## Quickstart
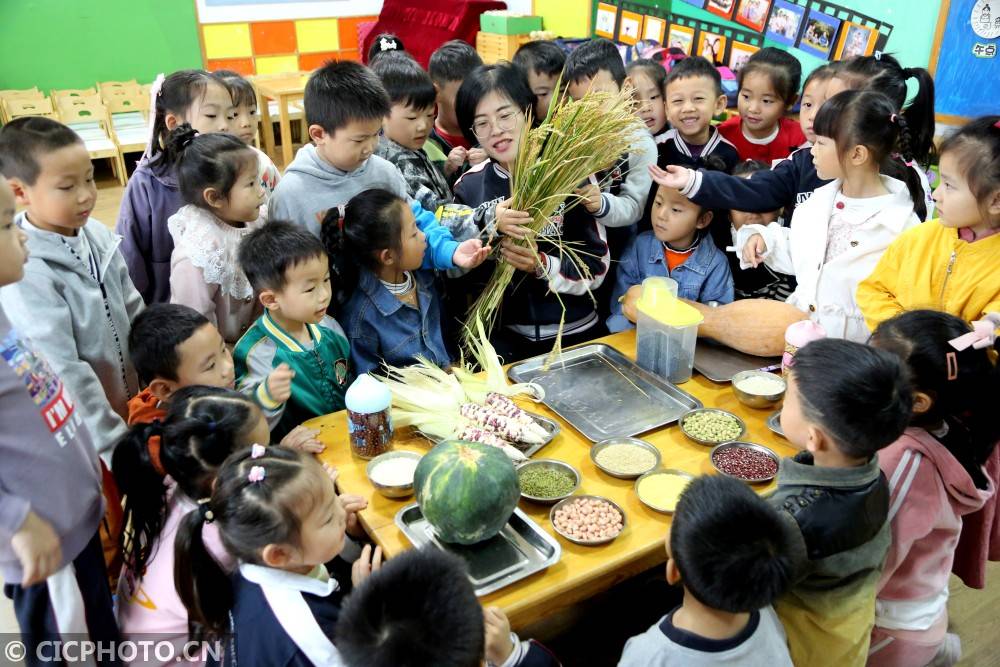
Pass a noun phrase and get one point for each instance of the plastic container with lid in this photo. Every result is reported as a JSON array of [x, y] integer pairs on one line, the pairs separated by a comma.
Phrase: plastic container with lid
[[666, 331], [369, 416]]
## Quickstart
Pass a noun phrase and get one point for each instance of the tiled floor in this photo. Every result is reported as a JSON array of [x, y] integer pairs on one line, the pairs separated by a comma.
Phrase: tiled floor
[[578, 635]]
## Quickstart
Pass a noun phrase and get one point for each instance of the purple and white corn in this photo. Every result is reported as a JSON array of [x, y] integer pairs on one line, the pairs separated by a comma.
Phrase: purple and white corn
[[506, 427]]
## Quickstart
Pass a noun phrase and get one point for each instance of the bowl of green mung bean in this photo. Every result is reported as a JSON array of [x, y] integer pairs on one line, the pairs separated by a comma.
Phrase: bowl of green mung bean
[[547, 481], [625, 458], [711, 426]]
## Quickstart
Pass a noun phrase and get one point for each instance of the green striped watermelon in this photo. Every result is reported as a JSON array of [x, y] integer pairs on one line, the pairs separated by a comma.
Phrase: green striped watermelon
[[466, 490]]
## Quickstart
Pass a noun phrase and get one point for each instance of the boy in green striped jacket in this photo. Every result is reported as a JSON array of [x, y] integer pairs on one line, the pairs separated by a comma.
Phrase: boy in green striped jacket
[[294, 358]]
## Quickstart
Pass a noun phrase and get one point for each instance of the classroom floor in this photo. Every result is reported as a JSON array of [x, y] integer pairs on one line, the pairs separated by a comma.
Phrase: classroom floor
[[592, 633]]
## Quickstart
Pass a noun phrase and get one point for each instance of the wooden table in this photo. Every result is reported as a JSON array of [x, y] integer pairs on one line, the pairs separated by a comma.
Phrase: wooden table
[[283, 90], [582, 571]]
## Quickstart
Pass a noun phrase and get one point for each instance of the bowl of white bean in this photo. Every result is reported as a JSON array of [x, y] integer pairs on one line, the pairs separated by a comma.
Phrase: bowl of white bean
[[587, 520], [392, 473], [758, 389], [624, 458]]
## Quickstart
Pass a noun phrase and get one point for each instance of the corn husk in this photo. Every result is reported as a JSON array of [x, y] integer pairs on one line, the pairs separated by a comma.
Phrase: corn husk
[[579, 138]]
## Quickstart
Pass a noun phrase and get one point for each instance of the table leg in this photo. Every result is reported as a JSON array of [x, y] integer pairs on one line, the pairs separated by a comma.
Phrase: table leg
[[267, 130], [286, 131]]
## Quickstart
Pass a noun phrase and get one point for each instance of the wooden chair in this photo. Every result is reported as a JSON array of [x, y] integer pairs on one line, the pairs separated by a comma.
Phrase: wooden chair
[[18, 94], [18, 107], [116, 87], [74, 92], [90, 122], [129, 122]]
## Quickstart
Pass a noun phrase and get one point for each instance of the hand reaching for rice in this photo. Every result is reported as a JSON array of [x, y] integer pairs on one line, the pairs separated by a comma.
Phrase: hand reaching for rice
[[591, 195], [470, 254], [511, 222], [673, 177]]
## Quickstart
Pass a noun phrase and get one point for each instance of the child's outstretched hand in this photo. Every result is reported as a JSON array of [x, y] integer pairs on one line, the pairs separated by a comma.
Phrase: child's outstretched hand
[[279, 383], [470, 254], [673, 177], [498, 643], [591, 195], [352, 505], [456, 158], [303, 439], [754, 250], [476, 155], [366, 563], [511, 222], [37, 547]]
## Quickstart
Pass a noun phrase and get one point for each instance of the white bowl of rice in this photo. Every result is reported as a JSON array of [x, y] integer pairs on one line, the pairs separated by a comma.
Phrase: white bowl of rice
[[758, 389], [392, 473]]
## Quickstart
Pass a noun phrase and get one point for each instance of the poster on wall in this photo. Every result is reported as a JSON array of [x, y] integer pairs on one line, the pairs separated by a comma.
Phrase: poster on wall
[[783, 26], [739, 53], [681, 37], [819, 34], [654, 28], [753, 14], [723, 8], [712, 47], [697, 3], [629, 27], [855, 40], [604, 24]]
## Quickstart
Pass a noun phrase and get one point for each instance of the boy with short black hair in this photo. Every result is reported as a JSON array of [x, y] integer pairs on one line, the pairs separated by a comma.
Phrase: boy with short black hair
[[732, 554], [447, 145], [543, 62], [844, 402], [694, 97], [50, 486], [294, 358], [621, 199], [408, 126], [345, 105], [77, 301], [420, 609]]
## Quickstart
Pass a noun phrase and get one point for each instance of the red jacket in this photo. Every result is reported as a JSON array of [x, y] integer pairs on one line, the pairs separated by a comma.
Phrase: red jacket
[[789, 138]]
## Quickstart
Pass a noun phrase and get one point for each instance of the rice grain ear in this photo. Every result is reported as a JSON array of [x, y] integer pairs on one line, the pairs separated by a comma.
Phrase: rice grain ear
[[577, 139]]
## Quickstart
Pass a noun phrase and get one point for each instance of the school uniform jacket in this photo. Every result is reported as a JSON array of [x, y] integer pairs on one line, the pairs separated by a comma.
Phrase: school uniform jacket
[[529, 308], [281, 619], [321, 370], [826, 290], [672, 149], [932, 267], [789, 183]]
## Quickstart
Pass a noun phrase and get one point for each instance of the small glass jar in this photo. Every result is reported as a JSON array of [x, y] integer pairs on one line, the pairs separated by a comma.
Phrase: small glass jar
[[369, 417]]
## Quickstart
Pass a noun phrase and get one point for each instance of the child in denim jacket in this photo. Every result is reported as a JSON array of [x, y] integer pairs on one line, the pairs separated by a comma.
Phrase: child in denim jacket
[[394, 313], [678, 247]]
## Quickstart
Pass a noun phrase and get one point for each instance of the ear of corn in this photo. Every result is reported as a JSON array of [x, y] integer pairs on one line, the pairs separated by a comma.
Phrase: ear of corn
[[577, 139]]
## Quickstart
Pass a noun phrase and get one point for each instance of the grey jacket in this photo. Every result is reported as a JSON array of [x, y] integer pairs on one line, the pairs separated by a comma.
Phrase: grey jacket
[[624, 199], [80, 324]]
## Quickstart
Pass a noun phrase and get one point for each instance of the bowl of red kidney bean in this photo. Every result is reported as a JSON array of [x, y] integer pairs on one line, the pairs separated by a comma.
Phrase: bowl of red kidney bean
[[746, 461]]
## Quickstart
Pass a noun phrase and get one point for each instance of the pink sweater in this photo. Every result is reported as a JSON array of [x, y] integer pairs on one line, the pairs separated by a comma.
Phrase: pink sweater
[[150, 607], [930, 491]]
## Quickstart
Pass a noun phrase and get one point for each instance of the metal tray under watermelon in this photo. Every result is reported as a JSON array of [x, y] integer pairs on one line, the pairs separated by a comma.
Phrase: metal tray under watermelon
[[521, 549]]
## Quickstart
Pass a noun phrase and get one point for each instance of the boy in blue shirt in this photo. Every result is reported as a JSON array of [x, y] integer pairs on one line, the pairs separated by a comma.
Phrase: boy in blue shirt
[[678, 247], [345, 104]]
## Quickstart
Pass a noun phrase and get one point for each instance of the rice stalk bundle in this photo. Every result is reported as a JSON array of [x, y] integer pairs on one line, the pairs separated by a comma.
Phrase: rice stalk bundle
[[578, 139]]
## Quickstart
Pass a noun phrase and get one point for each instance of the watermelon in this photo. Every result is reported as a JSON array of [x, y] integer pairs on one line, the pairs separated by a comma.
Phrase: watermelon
[[466, 490]]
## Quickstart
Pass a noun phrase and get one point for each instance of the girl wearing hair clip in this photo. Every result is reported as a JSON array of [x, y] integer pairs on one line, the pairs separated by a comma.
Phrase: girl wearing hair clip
[[218, 179], [203, 426], [278, 513], [942, 474]]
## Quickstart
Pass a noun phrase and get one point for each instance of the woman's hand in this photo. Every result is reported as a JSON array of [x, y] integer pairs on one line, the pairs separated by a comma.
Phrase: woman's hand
[[511, 222], [522, 258]]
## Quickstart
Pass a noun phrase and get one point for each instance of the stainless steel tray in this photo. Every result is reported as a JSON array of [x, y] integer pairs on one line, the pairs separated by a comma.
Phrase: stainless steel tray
[[521, 549], [604, 394], [720, 363], [551, 426], [774, 423]]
